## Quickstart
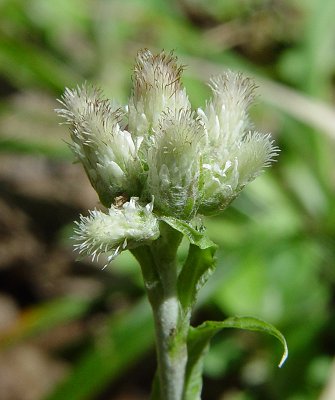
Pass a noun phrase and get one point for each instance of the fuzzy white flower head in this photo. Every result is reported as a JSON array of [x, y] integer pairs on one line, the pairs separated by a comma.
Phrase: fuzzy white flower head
[[226, 114], [122, 228], [174, 164], [156, 147], [107, 152], [157, 89], [234, 154]]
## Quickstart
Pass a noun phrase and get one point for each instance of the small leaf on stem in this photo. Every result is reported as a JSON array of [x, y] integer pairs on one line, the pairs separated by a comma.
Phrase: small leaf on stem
[[198, 343]]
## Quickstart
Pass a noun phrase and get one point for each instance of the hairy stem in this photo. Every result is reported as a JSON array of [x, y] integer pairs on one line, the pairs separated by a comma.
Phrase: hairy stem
[[159, 268]]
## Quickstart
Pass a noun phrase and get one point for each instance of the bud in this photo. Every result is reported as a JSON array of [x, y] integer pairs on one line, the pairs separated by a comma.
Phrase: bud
[[174, 165], [107, 152], [235, 155], [122, 228], [156, 89]]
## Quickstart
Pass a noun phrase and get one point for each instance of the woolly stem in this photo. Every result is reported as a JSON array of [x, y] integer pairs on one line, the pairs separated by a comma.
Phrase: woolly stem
[[159, 268]]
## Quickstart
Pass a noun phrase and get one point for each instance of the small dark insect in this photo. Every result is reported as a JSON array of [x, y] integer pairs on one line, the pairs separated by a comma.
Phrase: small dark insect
[[172, 332], [119, 201]]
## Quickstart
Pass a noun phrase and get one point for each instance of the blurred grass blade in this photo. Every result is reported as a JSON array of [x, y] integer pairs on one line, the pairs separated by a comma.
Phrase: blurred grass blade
[[310, 111], [36, 147], [37, 66], [125, 340], [45, 317]]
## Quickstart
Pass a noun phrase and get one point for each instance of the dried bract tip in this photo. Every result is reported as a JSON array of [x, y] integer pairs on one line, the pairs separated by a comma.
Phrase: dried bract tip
[[156, 72], [233, 88], [156, 89]]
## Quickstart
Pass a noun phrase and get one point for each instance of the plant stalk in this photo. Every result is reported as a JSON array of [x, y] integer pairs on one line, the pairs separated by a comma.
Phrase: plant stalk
[[160, 273]]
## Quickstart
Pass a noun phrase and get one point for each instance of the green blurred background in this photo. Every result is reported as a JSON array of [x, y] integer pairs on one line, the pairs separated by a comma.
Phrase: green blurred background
[[70, 331]]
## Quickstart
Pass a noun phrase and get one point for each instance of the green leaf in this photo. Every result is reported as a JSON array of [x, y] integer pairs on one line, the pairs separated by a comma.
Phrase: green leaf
[[199, 264], [195, 237], [198, 267], [198, 343], [155, 390]]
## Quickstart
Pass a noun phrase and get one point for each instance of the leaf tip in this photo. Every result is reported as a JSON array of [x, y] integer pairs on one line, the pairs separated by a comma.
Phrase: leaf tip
[[284, 356]]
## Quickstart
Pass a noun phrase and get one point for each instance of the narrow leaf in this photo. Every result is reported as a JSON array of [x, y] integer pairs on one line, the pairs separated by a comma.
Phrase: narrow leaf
[[199, 265], [155, 389], [248, 323], [198, 343], [195, 237]]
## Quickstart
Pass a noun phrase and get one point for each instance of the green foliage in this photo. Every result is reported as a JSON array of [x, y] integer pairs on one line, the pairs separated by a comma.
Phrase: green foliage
[[276, 257], [198, 265], [198, 346], [126, 338], [46, 316]]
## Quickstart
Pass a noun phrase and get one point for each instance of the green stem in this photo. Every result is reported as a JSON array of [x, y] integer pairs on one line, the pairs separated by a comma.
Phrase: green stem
[[160, 273]]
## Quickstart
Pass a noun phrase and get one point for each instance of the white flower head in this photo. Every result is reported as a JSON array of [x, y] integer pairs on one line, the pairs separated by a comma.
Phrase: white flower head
[[174, 164], [235, 154], [226, 114], [107, 152], [125, 227], [156, 89], [156, 146]]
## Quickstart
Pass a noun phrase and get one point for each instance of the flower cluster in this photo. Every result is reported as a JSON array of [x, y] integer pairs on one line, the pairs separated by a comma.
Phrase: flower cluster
[[156, 147]]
